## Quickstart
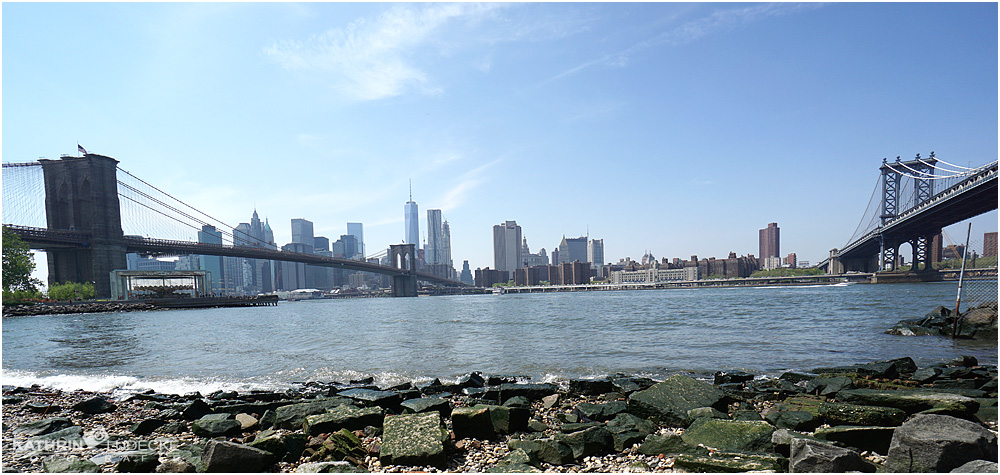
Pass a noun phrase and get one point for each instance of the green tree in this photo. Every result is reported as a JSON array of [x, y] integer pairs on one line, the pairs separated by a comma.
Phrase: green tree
[[71, 291], [18, 264]]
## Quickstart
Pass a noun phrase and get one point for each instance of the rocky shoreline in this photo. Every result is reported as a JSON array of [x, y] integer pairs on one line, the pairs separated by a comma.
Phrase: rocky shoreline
[[977, 323], [886, 416]]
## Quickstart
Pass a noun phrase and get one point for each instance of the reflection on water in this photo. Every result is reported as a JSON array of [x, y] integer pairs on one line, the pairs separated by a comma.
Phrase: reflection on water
[[761, 330]]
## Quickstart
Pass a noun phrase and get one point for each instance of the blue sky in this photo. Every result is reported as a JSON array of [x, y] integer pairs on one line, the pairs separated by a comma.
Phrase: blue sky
[[675, 128]]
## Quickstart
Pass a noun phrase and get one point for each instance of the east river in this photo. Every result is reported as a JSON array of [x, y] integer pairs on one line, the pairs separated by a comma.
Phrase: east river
[[655, 333]]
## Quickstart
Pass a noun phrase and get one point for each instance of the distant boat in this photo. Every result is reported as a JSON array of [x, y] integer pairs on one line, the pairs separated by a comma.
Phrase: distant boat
[[498, 291]]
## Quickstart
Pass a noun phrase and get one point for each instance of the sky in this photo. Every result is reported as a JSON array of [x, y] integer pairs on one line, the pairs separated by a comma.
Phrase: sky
[[674, 128]]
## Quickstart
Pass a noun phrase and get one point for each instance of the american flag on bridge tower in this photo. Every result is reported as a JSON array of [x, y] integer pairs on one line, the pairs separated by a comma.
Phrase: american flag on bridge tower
[[80, 148]]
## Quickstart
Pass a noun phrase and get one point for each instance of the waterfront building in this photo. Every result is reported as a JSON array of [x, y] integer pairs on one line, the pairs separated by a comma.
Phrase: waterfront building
[[772, 263], [572, 249], [791, 260], [653, 275], [212, 264], [595, 253], [446, 249], [770, 242], [506, 246], [411, 222], [990, 244], [555, 256], [357, 230], [488, 277]]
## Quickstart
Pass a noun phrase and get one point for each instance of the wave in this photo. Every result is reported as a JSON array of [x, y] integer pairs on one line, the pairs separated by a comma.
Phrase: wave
[[128, 384]]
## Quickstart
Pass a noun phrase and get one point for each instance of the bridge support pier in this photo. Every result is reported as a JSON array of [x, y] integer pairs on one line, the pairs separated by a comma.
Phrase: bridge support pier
[[81, 194], [404, 257]]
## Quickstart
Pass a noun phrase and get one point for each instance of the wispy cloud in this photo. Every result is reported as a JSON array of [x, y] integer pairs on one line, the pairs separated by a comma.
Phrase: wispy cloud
[[716, 21], [374, 59], [466, 183]]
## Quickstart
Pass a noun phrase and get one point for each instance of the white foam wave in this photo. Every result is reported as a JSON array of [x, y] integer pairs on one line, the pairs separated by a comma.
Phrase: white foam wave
[[126, 384]]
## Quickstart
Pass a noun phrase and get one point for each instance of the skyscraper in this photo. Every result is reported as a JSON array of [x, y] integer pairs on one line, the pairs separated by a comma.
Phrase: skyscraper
[[507, 246], [446, 248], [357, 230], [573, 249], [302, 231], [435, 242], [770, 241], [595, 253], [213, 264], [411, 222]]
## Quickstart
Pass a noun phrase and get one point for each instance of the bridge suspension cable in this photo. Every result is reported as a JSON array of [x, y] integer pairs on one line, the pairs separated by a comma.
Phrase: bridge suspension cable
[[871, 221]]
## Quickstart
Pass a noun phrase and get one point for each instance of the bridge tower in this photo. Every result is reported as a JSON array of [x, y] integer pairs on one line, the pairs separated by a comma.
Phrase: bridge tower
[[81, 194], [923, 190], [404, 256]]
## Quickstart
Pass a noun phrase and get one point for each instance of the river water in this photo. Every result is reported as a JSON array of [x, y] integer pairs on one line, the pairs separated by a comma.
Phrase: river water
[[764, 330]]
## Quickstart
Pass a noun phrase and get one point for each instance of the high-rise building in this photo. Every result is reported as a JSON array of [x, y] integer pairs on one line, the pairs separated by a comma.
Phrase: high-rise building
[[528, 259], [595, 253], [321, 243], [990, 244], [434, 253], [411, 222], [212, 264], [302, 231], [466, 273], [357, 230], [507, 247], [446, 249], [573, 250], [770, 242]]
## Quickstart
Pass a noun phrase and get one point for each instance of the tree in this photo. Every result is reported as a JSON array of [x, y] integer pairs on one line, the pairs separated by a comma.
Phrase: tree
[[18, 264], [71, 291]]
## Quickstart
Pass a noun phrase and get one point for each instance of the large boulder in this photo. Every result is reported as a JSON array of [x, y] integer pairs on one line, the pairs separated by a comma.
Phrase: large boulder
[[222, 456], [286, 447], [730, 462], [532, 391], [629, 430], [215, 427], [343, 417], [292, 416], [472, 422], [936, 443], [977, 466], [911, 401], [328, 467], [601, 412], [427, 404], [43, 426], [59, 464], [871, 438], [669, 444], [730, 436], [548, 450], [668, 402], [810, 456], [372, 397], [414, 439], [857, 415], [587, 442]]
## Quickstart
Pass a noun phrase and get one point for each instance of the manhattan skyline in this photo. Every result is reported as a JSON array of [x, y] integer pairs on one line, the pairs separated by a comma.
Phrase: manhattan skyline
[[677, 128]]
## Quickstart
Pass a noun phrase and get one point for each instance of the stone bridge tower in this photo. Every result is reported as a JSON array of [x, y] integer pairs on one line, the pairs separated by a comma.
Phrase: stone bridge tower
[[404, 256], [81, 194]]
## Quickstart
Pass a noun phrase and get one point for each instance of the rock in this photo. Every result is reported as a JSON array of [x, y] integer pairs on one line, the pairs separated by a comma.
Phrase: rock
[[532, 391], [246, 421], [547, 450], [856, 415], [722, 377], [516, 461], [72, 434], [138, 461], [146, 426], [873, 439], [669, 444], [794, 420], [587, 442], [293, 415], [95, 405], [711, 412], [829, 386], [414, 439], [810, 456], [427, 404], [550, 401], [926, 375], [590, 387], [43, 426], [175, 465], [43, 408], [285, 447], [267, 419], [215, 427], [601, 412], [472, 380], [782, 440], [936, 443], [730, 436], [632, 384], [508, 420], [727, 462], [195, 410], [341, 445], [328, 467], [669, 401], [371, 397], [891, 369], [58, 464], [746, 415], [629, 430], [343, 417], [222, 456], [518, 401], [911, 401], [977, 466], [472, 422], [191, 453]]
